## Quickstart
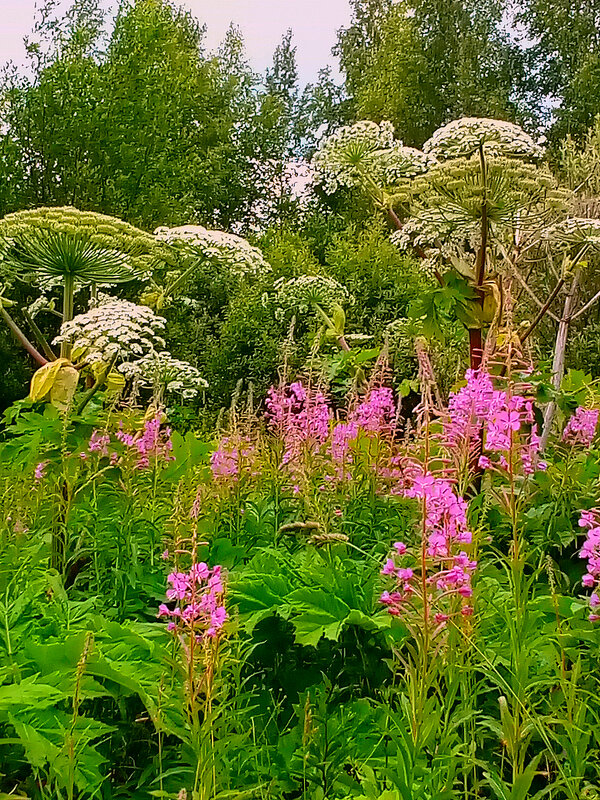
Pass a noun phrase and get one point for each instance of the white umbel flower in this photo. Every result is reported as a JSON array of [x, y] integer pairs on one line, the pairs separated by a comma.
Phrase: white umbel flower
[[160, 370], [574, 232], [114, 328], [463, 137], [226, 249], [365, 148], [299, 294]]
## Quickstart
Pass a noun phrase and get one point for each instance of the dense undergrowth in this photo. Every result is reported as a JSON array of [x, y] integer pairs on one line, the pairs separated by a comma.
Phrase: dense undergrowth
[[318, 603]]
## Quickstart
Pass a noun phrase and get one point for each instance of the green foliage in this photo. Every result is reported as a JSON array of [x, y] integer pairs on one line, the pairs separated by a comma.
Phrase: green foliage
[[420, 65]]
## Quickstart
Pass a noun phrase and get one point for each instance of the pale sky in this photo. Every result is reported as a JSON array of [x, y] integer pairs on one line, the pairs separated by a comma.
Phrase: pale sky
[[262, 22]]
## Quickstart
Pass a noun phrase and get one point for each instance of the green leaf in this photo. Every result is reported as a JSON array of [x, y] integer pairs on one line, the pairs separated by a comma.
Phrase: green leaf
[[316, 614]]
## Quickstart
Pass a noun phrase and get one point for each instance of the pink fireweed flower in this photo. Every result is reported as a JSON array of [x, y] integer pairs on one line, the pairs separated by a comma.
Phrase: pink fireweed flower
[[233, 457], [445, 513], [99, 443], [499, 420], [446, 529], [468, 407], [125, 438], [377, 413], [300, 416], [389, 568], [199, 595], [581, 427], [40, 471], [340, 448], [153, 443], [225, 461], [590, 552]]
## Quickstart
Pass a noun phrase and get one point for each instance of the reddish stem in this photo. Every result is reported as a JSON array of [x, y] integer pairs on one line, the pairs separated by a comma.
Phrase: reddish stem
[[475, 348]]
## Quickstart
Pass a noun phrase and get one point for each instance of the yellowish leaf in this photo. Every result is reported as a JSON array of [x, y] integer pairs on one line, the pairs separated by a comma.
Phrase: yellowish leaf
[[64, 386], [43, 379]]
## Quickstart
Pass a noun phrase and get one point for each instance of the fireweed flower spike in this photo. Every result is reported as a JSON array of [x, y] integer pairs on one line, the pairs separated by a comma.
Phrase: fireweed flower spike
[[301, 416], [581, 427], [233, 456], [446, 530], [501, 421], [40, 471], [590, 551], [200, 604], [153, 443]]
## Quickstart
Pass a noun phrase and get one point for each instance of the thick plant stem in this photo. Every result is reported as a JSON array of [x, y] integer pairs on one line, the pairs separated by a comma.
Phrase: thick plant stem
[[21, 338], [475, 334], [39, 336], [475, 348], [68, 308], [560, 348]]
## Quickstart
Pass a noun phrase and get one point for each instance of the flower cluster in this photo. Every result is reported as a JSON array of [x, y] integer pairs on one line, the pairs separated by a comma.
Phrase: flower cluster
[[40, 471], [114, 328], [446, 531], [377, 412], [581, 427], [231, 457], [505, 423], [366, 148], [300, 294], [401, 162], [200, 601], [160, 369], [445, 514], [152, 445], [99, 443], [463, 137], [226, 249], [301, 416], [591, 553], [438, 238], [342, 157], [574, 232]]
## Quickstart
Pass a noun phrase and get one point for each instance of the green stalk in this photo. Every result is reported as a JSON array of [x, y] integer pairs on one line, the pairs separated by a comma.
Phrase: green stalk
[[68, 309]]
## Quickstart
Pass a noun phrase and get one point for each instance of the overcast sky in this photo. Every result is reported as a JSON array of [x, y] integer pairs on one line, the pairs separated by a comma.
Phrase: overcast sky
[[262, 22]]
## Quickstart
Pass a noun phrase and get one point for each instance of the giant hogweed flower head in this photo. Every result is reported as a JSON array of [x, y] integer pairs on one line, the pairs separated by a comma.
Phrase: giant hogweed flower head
[[302, 293], [463, 137], [200, 602], [573, 232], [344, 158], [440, 239], [114, 328], [225, 249], [161, 369]]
